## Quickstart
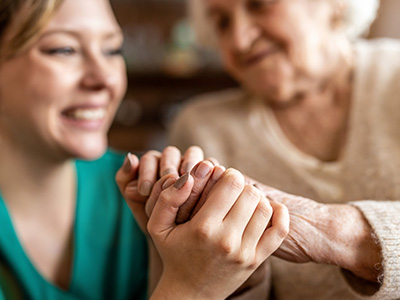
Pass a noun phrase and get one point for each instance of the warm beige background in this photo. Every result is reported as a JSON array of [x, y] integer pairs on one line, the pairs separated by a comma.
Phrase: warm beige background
[[387, 23]]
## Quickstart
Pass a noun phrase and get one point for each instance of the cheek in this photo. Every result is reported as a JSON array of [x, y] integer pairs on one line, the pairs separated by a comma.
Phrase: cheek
[[121, 82]]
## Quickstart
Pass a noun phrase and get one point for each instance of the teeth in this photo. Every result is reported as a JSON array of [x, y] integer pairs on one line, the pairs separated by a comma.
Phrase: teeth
[[93, 114]]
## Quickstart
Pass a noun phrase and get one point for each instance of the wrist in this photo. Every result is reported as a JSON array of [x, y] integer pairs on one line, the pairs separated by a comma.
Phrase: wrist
[[352, 245], [177, 290]]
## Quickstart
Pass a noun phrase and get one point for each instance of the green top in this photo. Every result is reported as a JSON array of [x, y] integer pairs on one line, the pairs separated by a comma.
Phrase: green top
[[110, 254]]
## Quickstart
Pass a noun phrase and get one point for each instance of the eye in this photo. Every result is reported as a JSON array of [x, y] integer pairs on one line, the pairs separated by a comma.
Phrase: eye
[[114, 52], [61, 51], [222, 23], [258, 5]]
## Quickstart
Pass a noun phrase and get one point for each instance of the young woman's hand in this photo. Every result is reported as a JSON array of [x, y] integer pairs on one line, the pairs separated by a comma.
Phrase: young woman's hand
[[136, 178], [213, 253]]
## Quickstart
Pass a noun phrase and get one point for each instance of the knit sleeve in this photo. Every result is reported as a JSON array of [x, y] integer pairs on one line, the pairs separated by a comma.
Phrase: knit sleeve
[[384, 218], [182, 131]]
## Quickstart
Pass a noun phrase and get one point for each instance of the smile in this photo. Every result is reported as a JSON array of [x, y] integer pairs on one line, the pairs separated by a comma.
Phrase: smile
[[86, 114], [257, 57]]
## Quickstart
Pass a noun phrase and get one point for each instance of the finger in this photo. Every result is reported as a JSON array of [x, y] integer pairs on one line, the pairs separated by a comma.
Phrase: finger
[[242, 211], [135, 202], [274, 236], [222, 197], [162, 184], [262, 187], [191, 157], [213, 160], [148, 170], [170, 161], [200, 173], [127, 172], [162, 219], [258, 223], [216, 175]]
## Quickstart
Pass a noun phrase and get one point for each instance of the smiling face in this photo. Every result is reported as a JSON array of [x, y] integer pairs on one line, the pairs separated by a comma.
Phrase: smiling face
[[277, 48], [59, 97]]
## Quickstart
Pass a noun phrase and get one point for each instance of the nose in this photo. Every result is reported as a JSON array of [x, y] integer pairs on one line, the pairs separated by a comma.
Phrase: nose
[[244, 32], [99, 73]]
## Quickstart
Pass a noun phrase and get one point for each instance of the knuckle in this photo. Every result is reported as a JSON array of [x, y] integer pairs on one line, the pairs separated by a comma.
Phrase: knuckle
[[227, 245], [265, 209], [195, 148], [253, 193], [246, 258], [151, 153], [213, 160], [172, 149], [253, 263], [282, 231], [204, 231], [165, 200], [236, 179]]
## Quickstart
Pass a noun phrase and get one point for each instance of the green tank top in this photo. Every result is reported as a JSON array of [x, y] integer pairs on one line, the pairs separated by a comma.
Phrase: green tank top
[[110, 251]]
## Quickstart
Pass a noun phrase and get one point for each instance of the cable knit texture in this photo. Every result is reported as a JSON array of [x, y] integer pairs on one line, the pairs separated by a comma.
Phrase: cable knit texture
[[230, 127]]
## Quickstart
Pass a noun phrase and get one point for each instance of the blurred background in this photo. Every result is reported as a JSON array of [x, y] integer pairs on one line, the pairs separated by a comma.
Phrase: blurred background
[[165, 68]]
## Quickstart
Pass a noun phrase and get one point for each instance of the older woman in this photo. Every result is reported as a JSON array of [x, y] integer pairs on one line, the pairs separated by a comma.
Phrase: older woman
[[317, 116]]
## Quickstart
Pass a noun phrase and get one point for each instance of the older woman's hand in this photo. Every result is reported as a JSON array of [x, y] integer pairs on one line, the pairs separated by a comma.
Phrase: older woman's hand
[[327, 233]]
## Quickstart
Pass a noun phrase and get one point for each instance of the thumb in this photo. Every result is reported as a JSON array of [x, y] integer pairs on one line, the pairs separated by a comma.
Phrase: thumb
[[162, 219], [127, 173]]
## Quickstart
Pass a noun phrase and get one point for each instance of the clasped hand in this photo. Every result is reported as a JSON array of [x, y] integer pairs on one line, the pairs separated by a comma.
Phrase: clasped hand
[[211, 229]]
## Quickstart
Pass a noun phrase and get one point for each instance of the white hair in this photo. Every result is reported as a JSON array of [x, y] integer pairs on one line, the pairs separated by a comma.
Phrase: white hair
[[358, 18]]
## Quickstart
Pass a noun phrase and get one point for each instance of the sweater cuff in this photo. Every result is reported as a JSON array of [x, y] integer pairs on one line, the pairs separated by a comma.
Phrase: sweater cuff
[[384, 218]]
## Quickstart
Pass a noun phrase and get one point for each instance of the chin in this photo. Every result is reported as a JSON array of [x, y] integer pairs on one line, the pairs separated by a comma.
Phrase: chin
[[88, 150]]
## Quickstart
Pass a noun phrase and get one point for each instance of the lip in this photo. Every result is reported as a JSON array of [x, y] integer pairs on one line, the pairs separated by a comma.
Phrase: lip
[[255, 58], [86, 117]]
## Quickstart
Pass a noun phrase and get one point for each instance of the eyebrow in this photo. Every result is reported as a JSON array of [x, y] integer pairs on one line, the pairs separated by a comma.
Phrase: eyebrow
[[213, 11], [110, 34]]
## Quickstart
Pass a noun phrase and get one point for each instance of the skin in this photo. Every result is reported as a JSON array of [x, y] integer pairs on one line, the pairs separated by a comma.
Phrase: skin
[[288, 53], [74, 64], [58, 99], [233, 218], [162, 170], [293, 54]]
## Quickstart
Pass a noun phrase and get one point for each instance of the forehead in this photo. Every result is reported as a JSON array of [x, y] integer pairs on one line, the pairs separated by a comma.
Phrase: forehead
[[93, 15]]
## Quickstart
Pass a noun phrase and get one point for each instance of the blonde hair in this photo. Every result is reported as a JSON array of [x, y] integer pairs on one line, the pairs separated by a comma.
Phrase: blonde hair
[[20, 23], [358, 16]]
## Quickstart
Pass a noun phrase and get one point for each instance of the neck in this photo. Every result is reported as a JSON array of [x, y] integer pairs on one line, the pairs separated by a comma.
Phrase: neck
[[327, 93], [316, 122], [29, 181]]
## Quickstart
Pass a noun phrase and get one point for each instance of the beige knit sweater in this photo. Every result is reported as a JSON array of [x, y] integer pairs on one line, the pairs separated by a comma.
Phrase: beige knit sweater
[[229, 127]]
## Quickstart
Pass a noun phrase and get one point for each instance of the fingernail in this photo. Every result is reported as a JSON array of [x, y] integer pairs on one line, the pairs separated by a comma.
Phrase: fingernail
[[202, 170], [218, 171], [145, 188], [186, 168], [181, 181], [127, 163], [168, 171], [170, 181]]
